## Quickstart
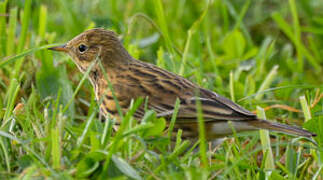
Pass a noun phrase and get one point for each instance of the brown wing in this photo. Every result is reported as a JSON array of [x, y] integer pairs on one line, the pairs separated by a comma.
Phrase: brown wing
[[214, 108], [162, 88]]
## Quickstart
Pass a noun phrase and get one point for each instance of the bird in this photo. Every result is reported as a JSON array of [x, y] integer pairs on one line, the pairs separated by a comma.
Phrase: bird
[[131, 79]]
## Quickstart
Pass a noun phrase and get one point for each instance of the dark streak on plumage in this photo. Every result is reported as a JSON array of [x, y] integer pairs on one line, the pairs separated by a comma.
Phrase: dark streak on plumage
[[162, 88], [133, 79], [182, 101], [124, 102], [181, 83], [143, 74], [171, 84], [166, 106], [109, 97], [121, 76], [106, 108], [208, 102], [113, 112], [206, 93], [94, 75], [144, 90], [220, 116], [161, 73]]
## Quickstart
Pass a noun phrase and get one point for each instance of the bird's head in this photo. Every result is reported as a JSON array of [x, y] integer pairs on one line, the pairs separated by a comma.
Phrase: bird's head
[[95, 44]]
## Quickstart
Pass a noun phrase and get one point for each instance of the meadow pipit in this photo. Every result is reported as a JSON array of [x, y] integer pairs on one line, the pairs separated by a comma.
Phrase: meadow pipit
[[132, 79]]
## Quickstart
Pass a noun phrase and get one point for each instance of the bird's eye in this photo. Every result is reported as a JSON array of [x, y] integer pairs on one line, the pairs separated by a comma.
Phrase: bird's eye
[[82, 48]]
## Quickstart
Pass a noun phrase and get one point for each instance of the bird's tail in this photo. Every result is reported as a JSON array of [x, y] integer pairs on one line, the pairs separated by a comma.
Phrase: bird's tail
[[292, 130]]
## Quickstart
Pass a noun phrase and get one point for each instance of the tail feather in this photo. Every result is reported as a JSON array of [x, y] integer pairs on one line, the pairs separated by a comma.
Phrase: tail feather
[[292, 130]]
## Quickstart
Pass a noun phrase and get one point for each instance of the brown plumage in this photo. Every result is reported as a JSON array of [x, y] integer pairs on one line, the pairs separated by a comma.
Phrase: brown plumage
[[131, 79]]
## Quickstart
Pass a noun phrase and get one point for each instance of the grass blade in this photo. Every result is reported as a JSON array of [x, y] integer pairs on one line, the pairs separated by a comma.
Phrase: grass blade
[[161, 19], [266, 83], [11, 32], [3, 7], [202, 138], [265, 143], [16, 57], [305, 108]]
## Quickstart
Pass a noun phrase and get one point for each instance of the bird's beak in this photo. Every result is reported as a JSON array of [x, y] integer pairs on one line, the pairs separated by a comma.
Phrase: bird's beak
[[59, 48]]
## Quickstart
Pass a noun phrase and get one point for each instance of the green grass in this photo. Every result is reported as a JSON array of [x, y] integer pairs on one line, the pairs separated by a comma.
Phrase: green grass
[[259, 53]]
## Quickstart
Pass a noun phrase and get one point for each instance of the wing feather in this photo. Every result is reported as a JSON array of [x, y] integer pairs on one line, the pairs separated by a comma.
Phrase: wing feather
[[164, 87], [212, 111]]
